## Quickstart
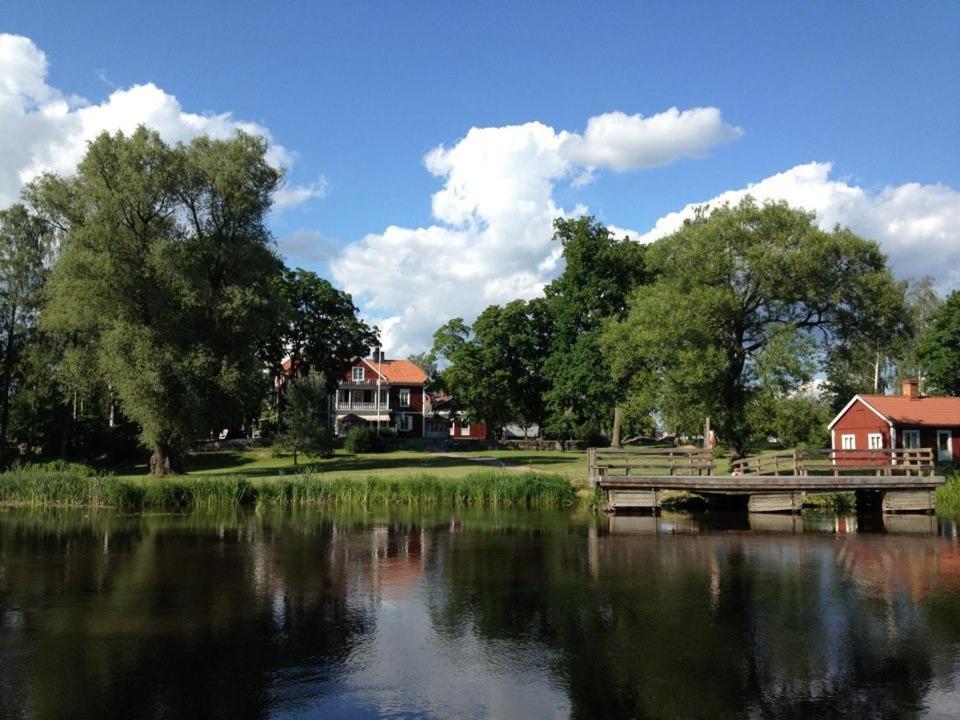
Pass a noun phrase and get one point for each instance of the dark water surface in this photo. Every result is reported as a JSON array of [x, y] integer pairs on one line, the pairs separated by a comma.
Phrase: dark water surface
[[476, 614]]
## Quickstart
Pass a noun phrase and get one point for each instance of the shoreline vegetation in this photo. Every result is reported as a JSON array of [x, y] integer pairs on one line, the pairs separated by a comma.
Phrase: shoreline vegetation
[[543, 481], [76, 485]]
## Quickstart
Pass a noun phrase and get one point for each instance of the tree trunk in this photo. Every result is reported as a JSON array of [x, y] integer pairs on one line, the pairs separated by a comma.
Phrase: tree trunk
[[617, 421], [164, 461]]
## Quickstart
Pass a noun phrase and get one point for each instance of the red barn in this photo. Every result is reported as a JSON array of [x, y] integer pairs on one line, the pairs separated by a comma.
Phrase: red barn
[[910, 420]]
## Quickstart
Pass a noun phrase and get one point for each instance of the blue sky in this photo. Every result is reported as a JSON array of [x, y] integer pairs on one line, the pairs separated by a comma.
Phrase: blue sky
[[360, 93]]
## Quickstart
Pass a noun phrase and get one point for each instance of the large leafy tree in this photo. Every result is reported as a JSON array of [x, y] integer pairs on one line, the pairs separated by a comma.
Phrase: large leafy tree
[[25, 244], [939, 349], [494, 367], [165, 284], [320, 329], [746, 301], [600, 271]]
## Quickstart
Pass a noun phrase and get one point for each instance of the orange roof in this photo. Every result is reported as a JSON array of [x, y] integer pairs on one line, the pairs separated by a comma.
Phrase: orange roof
[[398, 371], [940, 411]]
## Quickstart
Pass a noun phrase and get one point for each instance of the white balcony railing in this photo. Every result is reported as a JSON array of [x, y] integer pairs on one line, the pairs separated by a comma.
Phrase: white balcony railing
[[364, 406]]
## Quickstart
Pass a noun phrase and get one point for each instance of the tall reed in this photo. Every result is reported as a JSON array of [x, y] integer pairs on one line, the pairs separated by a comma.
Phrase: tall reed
[[76, 485]]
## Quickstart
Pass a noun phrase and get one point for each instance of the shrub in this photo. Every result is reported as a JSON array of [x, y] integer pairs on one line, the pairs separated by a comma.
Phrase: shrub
[[363, 438]]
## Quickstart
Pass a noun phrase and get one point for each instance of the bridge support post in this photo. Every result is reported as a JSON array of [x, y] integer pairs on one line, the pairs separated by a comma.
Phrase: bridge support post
[[924, 501], [791, 502], [634, 499]]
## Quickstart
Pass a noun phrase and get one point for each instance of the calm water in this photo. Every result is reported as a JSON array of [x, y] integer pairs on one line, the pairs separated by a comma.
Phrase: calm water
[[451, 614]]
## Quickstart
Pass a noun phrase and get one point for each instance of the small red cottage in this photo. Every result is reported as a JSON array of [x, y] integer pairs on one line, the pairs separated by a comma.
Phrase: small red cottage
[[910, 420]]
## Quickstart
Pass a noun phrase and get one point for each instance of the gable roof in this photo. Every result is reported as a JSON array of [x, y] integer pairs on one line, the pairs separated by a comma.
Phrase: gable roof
[[900, 410], [397, 371], [917, 411]]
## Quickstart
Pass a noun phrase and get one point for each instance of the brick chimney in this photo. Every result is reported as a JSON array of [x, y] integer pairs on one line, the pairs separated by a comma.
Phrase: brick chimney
[[911, 388]]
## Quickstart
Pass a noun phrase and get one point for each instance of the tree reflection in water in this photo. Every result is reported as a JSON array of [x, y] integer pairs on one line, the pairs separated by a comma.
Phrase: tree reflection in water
[[474, 614]]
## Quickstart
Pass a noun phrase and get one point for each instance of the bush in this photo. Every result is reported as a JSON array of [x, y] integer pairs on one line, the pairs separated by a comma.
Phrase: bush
[[361, 439]]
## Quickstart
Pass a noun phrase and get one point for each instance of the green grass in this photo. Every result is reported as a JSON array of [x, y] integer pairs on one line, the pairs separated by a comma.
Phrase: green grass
[[262, 463], [948, 496], [53, 485]]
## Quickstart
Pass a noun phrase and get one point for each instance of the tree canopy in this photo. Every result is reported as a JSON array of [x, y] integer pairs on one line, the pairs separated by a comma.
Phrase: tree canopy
[[747, 299], [939, 349], [165, 279], [600, 271]]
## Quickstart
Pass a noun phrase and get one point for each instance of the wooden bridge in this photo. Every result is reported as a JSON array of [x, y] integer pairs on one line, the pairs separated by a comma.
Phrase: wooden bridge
[[889, 480]]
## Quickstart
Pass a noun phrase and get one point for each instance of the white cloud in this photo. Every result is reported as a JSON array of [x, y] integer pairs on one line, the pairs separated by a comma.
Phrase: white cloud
[[918, 226], [632, 142], [44, 129], [495, 212], [289, 195]]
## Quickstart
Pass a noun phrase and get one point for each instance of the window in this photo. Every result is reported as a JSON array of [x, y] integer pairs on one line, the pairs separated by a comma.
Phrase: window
[[944, 445], [875, 441], [404, 397], [358, 373], [848, 442], [911, 438], [405, 423], [465, 430]]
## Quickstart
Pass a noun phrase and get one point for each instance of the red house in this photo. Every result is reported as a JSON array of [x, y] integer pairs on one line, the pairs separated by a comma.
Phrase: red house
[[380, 391], [910, 420]]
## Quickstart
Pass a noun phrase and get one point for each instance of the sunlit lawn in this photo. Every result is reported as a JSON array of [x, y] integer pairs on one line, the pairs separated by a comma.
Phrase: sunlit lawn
[[262, 463]]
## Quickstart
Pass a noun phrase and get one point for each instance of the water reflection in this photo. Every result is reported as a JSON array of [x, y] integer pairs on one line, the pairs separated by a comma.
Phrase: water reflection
[[477, 615]]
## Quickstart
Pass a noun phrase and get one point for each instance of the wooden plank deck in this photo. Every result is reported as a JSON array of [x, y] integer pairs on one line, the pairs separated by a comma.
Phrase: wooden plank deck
[[902, 480], [770, 483]]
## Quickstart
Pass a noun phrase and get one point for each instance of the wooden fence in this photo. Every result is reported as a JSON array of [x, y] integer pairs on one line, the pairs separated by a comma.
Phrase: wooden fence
[[885, 461], [615, 462]]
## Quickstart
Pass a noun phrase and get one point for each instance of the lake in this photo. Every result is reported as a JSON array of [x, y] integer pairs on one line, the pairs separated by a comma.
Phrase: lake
[[472, 614]]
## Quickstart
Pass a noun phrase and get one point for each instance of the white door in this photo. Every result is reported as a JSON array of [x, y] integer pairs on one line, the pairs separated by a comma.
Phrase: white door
[[944, 445]]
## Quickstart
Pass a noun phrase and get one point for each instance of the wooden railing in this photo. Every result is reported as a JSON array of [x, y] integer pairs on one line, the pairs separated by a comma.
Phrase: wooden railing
[[882, 461], [613, 462]]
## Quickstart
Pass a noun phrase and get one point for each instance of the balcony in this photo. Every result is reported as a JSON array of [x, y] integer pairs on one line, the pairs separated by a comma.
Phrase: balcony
[[356, 406]]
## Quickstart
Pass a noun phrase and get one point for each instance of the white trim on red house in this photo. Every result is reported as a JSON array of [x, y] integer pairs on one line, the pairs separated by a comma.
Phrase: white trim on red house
[[850, 404], [370, 365]]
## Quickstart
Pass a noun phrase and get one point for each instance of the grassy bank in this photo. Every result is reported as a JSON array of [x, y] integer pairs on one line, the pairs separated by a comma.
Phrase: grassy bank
[[75, 485], [948, 496]]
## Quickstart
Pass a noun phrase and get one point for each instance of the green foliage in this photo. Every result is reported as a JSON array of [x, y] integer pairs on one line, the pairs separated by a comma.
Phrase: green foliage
[[746, 299], [319, 329], [948, 495], [361, 439], [939, 349], [600, 272], [796, 421], [494, 370], [25, 245], [77, 486], [164, 289], [305, 417]]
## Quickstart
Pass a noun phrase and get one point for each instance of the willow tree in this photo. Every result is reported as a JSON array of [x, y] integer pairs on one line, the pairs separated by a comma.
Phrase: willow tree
[[746, 303], [166, 279]]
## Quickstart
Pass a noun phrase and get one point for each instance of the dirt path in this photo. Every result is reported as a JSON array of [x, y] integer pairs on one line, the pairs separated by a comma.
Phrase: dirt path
[[494, 462]]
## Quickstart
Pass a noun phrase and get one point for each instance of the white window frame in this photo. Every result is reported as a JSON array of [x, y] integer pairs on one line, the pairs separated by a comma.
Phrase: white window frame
[[875, 441], [404, 422], [848, 442], [911, 439], [358, 374], [404, 397], [949, 434], [465, 430]]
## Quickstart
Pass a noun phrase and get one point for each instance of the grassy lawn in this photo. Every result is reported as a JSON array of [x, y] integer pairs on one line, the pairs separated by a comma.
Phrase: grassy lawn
[[261, 463]]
